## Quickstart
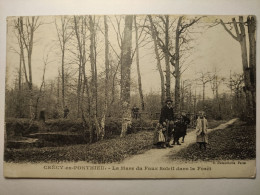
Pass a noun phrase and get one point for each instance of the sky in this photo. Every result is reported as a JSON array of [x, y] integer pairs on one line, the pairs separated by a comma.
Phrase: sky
[[213, 49]]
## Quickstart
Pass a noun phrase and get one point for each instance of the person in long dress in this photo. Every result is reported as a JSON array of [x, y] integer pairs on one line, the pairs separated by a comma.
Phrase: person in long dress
[[201, 131]]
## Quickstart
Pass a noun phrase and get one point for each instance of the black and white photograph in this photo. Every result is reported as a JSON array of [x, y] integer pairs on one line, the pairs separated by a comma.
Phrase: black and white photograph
[[130, 96]]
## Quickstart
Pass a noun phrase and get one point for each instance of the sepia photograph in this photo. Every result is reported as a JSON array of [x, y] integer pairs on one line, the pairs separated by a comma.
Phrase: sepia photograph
[[130, 96]]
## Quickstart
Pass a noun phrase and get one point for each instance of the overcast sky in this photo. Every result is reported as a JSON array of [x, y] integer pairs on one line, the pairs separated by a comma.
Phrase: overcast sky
[[213, 49]]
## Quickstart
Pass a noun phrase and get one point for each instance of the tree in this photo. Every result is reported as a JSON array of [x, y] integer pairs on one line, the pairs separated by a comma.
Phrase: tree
[[80, 28], [138, 66], [248, 67], [125, 74], [215, 83], [104, 114], [26, 30], [64, 35], [159, 66], [205, 77], [175, 60]]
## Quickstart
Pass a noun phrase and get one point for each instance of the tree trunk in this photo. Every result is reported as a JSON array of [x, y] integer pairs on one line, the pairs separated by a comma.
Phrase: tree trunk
[[241, 38], [159, 66], [125, 74], [93, 114], [251, 22], [246, 68], [104, 114], [203, 97], [138, 67], [177, 66], [167, 59]]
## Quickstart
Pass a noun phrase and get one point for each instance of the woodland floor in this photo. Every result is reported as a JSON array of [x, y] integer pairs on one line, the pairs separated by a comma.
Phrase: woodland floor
[[226, 141]]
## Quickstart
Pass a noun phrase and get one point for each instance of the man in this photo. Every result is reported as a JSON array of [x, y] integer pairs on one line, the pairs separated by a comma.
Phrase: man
[[166, 120], [66, 112]]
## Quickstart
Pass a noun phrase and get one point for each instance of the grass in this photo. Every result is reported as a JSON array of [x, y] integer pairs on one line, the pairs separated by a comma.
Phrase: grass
[[237, 142], [106, 151]]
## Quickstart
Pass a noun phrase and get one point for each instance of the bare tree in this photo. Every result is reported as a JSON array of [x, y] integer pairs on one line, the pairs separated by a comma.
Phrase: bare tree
[[104, 114], [248, 67], [64, 34], [41, 93], [159, 66], [204, 78], [138, 65], [125, 74], [181, 28], [26, 29]]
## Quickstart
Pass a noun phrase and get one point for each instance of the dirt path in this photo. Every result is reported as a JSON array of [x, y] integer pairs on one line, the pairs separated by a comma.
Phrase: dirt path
[[159, 156]]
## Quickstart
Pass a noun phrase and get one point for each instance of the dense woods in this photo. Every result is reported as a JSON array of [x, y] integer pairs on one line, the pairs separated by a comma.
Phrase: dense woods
[[94, 57]]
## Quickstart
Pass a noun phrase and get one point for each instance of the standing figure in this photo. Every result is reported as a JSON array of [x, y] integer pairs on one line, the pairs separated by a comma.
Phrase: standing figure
[[178, 129], [42, 115], [159, 139], [201, 130], [135, 112], [185, 121], [66, 112], [166, 120]]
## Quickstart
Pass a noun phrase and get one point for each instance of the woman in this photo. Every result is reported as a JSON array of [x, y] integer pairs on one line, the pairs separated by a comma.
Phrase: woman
[[201, 130]]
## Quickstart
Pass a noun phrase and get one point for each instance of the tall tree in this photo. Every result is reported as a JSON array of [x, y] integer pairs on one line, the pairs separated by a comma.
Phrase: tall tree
[[159, 66], [248, 70], [64, 34], [181, 29], [138, 66], [125, 73], [104, 114], [26, 29]]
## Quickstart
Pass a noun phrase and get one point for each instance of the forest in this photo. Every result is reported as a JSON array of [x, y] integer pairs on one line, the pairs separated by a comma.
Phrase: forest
[[100, 67]]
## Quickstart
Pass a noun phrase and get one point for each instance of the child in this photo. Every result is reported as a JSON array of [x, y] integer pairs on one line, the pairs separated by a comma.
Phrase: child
[[159, 139], [201, 130]]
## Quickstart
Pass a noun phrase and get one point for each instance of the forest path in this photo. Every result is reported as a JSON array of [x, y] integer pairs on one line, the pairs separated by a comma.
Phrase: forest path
[[161, 156]]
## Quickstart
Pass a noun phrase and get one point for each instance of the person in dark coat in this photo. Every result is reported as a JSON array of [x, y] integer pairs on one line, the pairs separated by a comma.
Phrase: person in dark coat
[[135, 112], [178, 129], [166, 120], [66, 112], [185, 121], [42, 115]]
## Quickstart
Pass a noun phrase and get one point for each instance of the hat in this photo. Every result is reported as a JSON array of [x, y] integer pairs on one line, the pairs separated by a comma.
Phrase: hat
[[168, 100]]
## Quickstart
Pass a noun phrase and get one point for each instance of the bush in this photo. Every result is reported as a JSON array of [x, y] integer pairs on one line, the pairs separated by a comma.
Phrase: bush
[[22, 127]]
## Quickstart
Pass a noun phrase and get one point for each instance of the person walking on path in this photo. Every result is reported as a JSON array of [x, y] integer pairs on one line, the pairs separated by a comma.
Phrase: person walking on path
[[201, 130], [166, 120]]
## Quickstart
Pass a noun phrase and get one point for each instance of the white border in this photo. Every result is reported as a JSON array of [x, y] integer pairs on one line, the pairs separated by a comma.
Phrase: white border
[[172, 186]]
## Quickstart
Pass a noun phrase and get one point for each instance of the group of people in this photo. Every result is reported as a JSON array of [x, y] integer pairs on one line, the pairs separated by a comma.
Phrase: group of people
[[175, 127]]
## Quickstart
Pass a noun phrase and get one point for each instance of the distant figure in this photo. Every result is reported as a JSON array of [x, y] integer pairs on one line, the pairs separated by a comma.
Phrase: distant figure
[[166, 120], [66, 112], [201, 130], [42, 115], [135, 112]]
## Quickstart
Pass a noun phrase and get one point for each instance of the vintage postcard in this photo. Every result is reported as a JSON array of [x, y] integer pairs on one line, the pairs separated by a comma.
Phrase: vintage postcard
[[130, 96]]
